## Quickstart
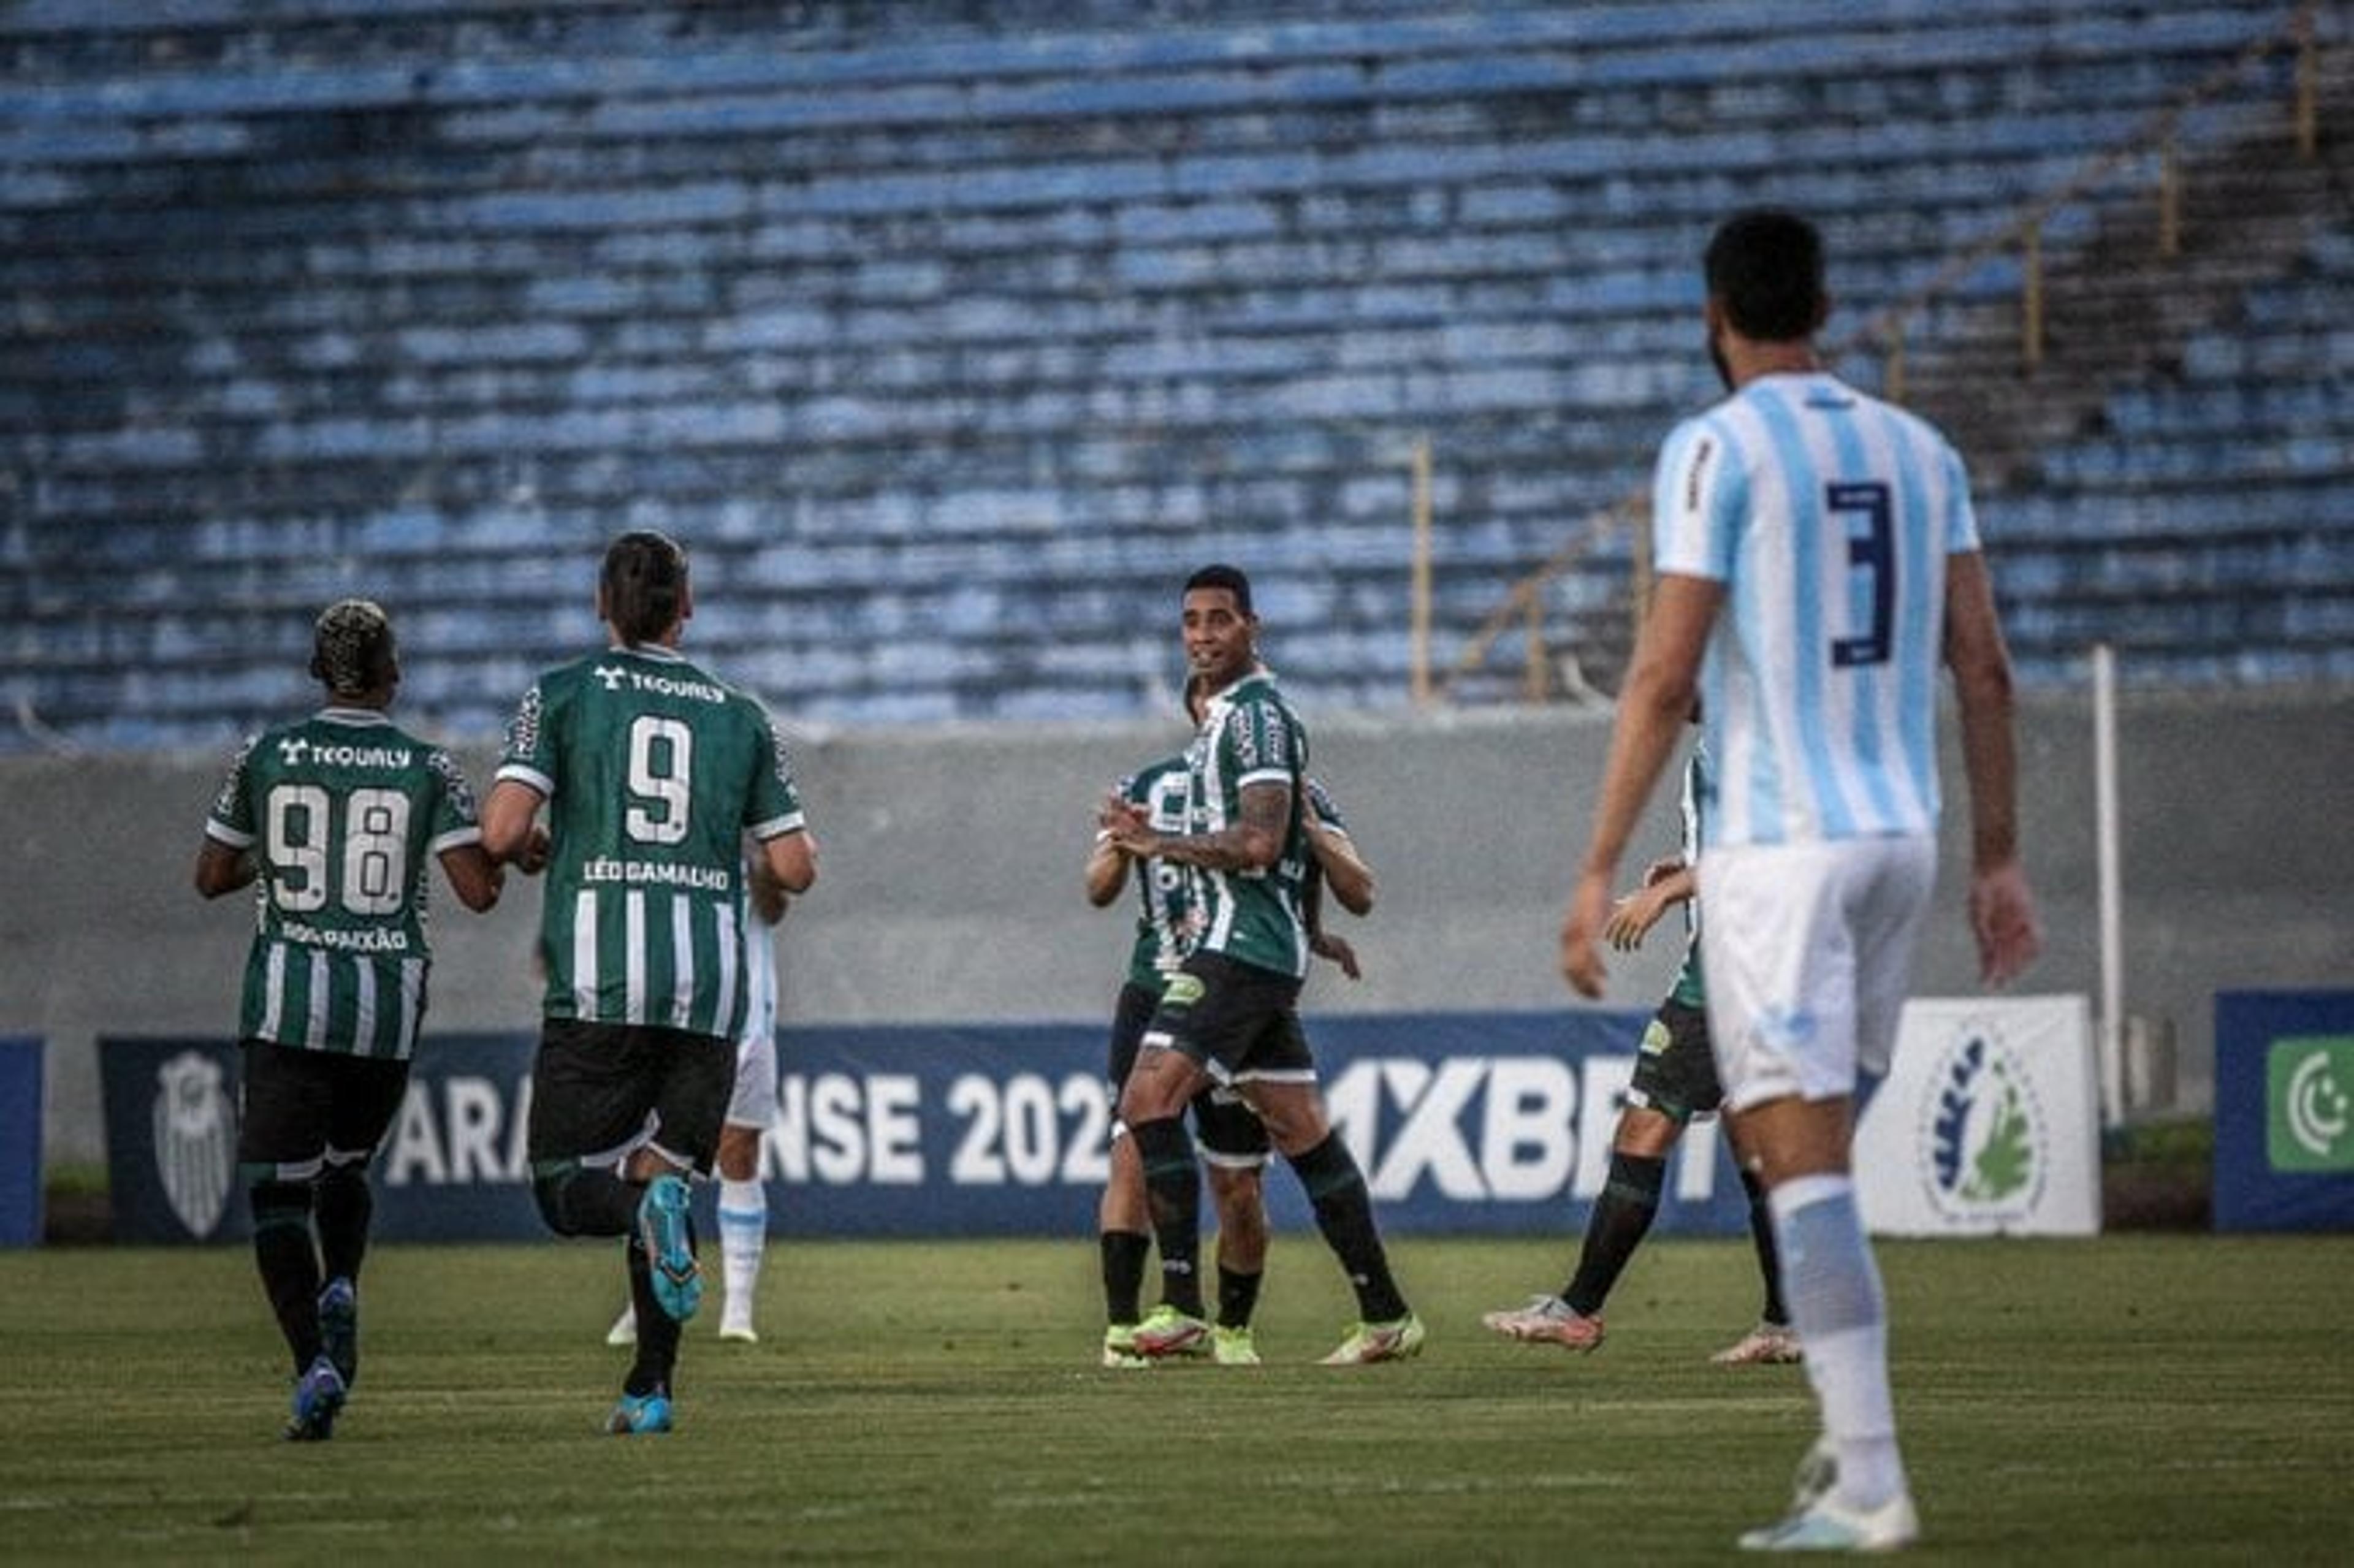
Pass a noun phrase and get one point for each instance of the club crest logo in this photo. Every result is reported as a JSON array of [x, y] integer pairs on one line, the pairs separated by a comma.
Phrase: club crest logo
[[195, 1139], [1986, 1151]]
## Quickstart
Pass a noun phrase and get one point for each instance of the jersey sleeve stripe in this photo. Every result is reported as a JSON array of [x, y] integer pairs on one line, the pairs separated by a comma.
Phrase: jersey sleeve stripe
[[524, 774]]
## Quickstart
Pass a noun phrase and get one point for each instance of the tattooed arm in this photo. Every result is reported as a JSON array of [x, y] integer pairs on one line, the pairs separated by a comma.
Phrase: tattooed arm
[[1253, 842]]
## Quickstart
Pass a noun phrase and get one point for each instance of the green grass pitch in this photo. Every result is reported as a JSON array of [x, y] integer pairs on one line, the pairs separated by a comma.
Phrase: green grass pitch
[[2137, 1398]]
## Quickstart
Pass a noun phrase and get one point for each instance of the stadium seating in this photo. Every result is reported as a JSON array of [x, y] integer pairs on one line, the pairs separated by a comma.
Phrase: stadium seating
[[950, 343]]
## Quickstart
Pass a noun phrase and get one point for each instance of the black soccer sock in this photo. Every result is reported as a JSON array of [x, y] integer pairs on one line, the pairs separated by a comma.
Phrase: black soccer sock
[[345, 1205], [1123, 1254], [576, 1200], [1621, 1218], [658, 1331], [1344, 1213], [1237, 1297], [1172, 1185], [288, 1259], [1770, 1256]]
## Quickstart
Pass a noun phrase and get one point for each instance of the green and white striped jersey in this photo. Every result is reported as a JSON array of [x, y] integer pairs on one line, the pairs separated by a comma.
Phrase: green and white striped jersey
[[1249, 735], [1690, 988], [653, 772], [1168, 908], [345, 812], [1169, 901]]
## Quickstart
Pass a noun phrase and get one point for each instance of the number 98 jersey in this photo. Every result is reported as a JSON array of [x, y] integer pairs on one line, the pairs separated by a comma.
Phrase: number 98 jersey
[[653, 772], [345, 812]]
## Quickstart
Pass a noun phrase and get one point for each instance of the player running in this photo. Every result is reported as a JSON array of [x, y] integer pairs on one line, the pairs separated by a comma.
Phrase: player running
[[336, 817], [652, 772]]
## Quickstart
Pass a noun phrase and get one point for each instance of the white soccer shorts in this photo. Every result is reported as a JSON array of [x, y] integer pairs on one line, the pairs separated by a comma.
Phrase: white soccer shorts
[[1807, 950], [754, 1103]]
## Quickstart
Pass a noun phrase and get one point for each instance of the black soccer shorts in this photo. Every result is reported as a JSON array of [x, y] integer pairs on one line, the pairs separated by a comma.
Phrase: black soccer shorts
[[600, 1090]]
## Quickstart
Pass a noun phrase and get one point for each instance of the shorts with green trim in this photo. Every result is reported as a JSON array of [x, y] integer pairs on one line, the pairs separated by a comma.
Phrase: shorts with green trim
[[1675, 1070]]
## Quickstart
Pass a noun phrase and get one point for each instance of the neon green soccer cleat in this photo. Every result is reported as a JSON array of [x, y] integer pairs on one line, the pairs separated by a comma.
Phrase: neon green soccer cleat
[[1233, 1347], [1167, 1333]]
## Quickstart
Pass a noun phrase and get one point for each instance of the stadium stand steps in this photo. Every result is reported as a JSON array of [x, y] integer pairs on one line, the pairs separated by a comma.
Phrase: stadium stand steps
[[926, 339]]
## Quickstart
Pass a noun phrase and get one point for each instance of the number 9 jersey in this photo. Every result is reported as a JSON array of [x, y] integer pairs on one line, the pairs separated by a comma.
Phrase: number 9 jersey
[[653, 772], [345, 812]]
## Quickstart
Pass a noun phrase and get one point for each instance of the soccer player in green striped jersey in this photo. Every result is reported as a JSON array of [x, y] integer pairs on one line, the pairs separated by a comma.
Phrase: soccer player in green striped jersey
[[336, 817], [1232, 1141], [654, 774], [1230, 1014]]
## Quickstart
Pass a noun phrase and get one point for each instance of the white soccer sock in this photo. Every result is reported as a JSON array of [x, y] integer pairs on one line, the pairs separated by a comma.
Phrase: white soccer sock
[[1841, 1314], [743, 1237]]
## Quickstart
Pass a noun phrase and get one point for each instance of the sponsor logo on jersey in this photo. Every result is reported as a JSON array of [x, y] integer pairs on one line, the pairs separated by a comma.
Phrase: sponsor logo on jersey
[[293, 751], [621, 677], [195, 1139]]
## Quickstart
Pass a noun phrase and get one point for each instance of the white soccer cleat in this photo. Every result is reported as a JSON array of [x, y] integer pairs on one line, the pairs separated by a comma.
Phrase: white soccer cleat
[[624, 1330], [1548, 1320], [1396, 1341], [1827, 1525], [737, 1327], [1767, 1345]]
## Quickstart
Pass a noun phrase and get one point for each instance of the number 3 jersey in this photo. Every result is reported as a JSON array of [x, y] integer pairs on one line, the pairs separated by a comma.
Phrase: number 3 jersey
[[345, 812], [653, 772], [1827, 515]]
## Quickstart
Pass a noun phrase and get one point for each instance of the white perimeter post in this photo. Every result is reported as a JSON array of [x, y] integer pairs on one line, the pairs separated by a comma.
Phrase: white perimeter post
[[2104, 807]]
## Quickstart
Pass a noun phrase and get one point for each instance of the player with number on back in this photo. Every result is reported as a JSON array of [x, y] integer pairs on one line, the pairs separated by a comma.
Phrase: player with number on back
[[654, 773], [1817, 560], [337, 816]]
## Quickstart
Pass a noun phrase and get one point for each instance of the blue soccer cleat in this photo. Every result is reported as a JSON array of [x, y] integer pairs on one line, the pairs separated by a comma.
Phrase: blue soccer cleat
[[665, 1231], [640, 1416], [318, 1397], [339, 1326]]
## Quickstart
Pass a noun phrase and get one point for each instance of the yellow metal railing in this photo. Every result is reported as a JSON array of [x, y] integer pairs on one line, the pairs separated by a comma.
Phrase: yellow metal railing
[[2159, 136]]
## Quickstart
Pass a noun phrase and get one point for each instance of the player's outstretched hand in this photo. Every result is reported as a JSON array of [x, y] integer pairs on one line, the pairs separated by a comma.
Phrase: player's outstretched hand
[[536, 847]]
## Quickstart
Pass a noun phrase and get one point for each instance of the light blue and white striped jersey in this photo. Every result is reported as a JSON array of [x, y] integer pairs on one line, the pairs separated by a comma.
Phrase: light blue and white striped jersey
[[1829, 515]]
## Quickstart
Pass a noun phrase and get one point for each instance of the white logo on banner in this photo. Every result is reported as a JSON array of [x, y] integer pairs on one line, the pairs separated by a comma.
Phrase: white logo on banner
[[2317, 1106], [1986, 1142], [195, 1139]]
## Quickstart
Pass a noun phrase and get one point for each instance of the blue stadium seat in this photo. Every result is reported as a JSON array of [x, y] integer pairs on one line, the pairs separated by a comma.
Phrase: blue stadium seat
[[927, 338]]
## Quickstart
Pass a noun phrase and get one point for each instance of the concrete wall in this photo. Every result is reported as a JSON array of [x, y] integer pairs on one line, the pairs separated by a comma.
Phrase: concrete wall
[[950, 883]]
